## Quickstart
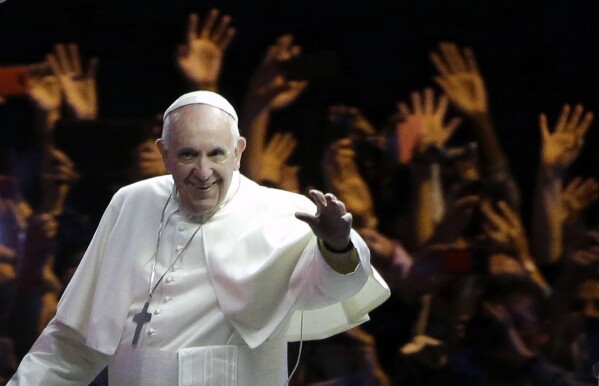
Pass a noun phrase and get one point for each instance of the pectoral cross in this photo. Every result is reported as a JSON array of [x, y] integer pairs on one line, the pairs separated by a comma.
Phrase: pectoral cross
[[140, 319]]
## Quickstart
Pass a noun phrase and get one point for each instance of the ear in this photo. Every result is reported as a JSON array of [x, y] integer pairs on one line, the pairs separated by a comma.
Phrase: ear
[[163, 152], [239, 148]]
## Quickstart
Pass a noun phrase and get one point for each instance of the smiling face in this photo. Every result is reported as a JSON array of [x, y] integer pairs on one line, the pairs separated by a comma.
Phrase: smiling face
[[201, 152]]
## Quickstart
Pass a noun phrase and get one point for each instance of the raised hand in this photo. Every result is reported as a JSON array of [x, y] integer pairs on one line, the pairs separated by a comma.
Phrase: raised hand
[[503, 224], [349, 119], [562, 146], [45, 90], [345, 181], [275, 156], [268, 86], [331, 223], [578, 195], [460, 78], [387, 255], [58, 174], [78, 88], [290, 179], [200, 59], [433, 130], [148, 161], [504, 227]]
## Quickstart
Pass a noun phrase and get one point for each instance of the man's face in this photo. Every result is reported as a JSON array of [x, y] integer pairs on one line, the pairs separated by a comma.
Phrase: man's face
[[201, 154]]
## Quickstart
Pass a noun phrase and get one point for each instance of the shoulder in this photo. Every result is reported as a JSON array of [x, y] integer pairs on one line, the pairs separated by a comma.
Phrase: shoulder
[[151, 189], [273, 198]]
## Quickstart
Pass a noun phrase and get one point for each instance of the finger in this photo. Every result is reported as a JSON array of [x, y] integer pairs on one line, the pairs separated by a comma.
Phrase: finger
[[492, 216], [451, 127], [563, 118], [509, 214], [586, 123], [347, 217], [492, 233], [470, 60], [543, 126], [226, 40], [574, 120], [417, 103], [192, 27], [307, 218], [318, 197], [403, 108], [51, 58], [284, 42], [453, 57], [330, 197], [444, 84], [75, 59], [439, 64], [442, 105], [221, 28], [287, 146], [92, 68], [573, 185], [61, 53], [429, 101], [209, 24]]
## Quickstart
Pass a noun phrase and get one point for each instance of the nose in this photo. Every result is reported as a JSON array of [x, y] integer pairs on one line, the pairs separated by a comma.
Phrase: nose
[[203, 169]]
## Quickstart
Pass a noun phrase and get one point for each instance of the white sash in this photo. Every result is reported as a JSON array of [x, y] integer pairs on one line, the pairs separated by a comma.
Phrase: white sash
[[208, 366], [229, 365]]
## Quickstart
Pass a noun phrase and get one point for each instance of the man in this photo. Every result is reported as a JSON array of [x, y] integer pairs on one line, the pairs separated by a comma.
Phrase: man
[[202, 277]]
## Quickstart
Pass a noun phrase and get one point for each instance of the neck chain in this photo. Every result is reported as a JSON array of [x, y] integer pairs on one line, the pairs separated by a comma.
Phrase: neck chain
[[152, 286]]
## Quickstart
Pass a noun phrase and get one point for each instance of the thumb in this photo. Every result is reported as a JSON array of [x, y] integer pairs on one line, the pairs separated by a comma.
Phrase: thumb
[[306, 217]]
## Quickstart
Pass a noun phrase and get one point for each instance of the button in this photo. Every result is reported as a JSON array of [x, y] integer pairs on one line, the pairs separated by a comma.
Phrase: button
[[157, 311], [181, 228], [167, 299], [179, 248], [169, 280], [175, 268], [151, 331]]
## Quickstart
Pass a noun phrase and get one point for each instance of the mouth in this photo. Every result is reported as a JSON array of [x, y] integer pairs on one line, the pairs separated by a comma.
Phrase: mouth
[[194, 181], [199, 185]]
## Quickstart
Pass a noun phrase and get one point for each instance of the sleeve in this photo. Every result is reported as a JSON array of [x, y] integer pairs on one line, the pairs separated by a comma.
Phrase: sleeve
[[59, 357], [326, 285]]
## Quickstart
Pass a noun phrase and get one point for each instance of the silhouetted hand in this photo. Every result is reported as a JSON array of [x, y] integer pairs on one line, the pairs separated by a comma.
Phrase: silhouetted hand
[[200, 59], [78, 88], [434, 131], [268, 86], [578, 196], [460, 78], [562, 146], [275, 156]]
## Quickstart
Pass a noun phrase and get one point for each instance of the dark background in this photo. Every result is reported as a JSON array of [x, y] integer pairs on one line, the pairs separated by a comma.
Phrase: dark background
[[534, 56]]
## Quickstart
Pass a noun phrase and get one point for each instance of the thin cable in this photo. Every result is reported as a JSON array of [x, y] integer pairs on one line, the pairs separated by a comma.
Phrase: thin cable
[[299, 351]]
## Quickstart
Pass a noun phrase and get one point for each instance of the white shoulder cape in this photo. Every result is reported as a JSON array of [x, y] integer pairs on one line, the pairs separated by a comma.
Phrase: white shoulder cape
[[258, 257]]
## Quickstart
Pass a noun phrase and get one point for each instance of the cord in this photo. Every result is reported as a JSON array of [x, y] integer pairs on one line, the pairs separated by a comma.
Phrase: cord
[[299, 351]]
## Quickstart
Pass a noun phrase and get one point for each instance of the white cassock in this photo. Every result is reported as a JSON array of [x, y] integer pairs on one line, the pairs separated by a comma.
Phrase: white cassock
[[252, 279]]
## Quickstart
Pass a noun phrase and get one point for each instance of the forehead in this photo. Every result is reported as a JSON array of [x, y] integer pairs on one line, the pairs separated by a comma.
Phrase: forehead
[[199, 117], [192, 124]]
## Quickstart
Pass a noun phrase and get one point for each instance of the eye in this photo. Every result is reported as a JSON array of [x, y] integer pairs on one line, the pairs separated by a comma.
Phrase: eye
[[218, 154], [187, 155]]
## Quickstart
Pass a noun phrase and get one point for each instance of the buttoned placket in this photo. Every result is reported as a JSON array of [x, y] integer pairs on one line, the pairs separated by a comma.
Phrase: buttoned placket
[[174, 240]]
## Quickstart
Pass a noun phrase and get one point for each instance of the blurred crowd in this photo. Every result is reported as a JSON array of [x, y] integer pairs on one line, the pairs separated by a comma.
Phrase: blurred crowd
[[485, 290]]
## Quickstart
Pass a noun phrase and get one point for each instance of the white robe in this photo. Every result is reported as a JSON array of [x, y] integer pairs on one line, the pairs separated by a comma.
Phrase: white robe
[[268, 277]]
